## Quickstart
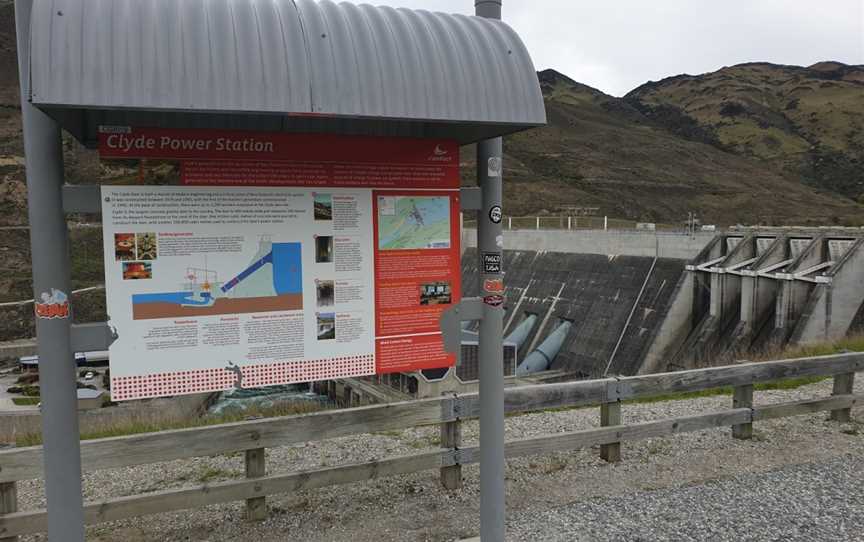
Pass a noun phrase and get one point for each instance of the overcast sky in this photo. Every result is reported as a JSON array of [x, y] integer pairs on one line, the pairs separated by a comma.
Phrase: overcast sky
[[616, 45]]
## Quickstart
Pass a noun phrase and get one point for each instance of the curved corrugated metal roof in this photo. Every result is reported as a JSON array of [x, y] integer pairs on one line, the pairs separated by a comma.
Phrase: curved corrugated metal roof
[[423, 73]]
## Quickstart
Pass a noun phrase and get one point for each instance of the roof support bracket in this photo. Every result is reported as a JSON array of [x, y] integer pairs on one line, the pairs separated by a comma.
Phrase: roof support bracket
[[94, 336], [470, 198], [82, 198], [470, 308]]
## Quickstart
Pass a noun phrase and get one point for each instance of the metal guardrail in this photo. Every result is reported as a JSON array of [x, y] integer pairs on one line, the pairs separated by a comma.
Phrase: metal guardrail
[[252, 437]]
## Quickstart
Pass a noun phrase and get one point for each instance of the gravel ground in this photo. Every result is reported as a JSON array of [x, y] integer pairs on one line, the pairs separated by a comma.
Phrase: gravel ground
[[816, 501], [796, 478]]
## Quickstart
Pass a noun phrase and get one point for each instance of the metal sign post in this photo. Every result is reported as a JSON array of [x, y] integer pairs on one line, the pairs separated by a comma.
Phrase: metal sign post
[[50, 263], [491, 373]]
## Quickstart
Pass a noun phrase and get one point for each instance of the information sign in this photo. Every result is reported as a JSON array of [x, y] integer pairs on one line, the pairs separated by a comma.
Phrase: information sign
[[253, 259]]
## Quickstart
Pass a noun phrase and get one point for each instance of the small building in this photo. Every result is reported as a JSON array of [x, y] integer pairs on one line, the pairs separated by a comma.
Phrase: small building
[[89, 399], [30, 364]]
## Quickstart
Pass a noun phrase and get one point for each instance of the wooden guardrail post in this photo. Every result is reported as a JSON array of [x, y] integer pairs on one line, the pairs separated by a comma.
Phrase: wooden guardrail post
[[256, 508], [451, 438], [843, 384], [8, 503], [610, 414], [742, 397]]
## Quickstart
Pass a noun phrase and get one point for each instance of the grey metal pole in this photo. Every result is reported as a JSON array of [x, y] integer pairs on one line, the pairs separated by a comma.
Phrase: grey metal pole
[[50, 263], [491, 370]]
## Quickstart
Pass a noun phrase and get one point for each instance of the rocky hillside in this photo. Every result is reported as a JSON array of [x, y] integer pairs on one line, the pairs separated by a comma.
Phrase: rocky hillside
[[808, 123], [652, 163]]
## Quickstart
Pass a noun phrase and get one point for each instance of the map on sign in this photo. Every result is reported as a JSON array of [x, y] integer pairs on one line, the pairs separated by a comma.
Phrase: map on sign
[[412, 222]]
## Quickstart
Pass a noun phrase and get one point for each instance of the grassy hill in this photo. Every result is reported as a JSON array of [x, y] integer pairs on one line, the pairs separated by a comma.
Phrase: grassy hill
[[606, 152], [807, 123]]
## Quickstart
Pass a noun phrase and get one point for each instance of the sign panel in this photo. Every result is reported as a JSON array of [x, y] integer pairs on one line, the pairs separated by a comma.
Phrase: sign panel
[[252, 259]]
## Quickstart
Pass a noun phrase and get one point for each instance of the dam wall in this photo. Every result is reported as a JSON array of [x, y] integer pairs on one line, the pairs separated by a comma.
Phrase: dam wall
[[761, 289], [614, 304], [673, 245]]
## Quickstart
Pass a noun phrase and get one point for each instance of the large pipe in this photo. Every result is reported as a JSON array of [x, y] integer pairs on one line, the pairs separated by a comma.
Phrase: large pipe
[[519, 335], [541, 359]]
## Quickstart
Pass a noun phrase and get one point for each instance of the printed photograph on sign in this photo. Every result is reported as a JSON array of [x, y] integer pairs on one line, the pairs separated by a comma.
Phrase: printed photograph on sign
[[145, 246], [325, 293], [137, 270], [323, 249], [326, 326], [323, 207], [124, 246], [413, 222], [435, 293]]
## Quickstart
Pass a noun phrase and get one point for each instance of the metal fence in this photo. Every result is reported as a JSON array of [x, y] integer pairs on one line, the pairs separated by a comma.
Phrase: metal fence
[[252, 437]]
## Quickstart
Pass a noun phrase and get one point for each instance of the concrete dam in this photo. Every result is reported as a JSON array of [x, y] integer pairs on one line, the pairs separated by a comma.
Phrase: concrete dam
[[760, 290], [587, 304], [609, 306]]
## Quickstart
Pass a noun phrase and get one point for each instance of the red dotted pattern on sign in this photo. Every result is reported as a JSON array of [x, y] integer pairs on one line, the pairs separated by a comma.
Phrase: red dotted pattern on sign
[[206, 380]]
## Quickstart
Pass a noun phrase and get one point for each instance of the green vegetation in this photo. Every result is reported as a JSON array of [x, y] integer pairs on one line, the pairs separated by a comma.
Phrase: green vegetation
[[209, 474], [26, 401], [615, 154], [805, 123], [165, 420], [854, 343]]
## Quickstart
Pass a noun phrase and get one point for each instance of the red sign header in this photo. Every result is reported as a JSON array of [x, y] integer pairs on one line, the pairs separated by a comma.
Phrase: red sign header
[[123, 142], [241, 158]]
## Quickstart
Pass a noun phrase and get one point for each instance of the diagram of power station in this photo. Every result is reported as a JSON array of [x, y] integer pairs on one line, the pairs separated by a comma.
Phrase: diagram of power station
[[271, 282]]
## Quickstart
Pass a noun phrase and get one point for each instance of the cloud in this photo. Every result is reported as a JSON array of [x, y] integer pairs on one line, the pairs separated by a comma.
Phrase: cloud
[[618, 45]]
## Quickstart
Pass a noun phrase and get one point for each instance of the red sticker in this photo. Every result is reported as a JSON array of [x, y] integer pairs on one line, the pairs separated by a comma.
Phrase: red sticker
[[493, 300], [495, 286], [53, 305]]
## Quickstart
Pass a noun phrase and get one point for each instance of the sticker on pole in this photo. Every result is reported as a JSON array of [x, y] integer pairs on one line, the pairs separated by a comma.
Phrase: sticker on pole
[[52, 305], [492, 263], [493, 286], [494, 300], [495, 214], [494, 166]]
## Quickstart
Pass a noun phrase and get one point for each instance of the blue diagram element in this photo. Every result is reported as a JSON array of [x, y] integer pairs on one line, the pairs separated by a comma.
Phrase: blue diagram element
[[181, 298], [285, 259], [287, 266], [248, 271]]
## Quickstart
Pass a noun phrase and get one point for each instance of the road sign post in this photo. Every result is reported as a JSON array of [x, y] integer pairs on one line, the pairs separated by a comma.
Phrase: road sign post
[[490, 249], [50, 263]]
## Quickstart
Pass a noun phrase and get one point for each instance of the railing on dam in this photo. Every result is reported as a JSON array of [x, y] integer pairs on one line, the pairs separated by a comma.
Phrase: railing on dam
[[565, 222], [252, 437]]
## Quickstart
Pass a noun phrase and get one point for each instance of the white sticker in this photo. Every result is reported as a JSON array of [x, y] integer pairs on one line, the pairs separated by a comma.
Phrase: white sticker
[[499, 241], [494, 166]]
